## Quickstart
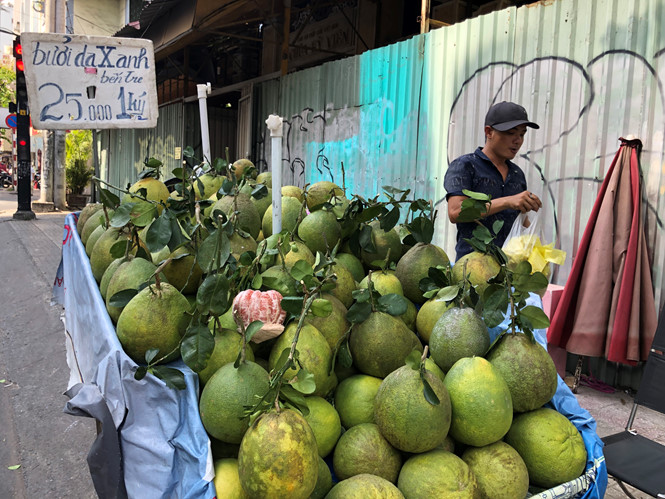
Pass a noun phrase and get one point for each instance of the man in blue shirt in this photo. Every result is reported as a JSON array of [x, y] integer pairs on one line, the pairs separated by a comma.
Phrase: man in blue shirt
[[490, 170]]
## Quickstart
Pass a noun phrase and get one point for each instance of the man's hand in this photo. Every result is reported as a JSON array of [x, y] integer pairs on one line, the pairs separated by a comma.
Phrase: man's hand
[[523, 202]]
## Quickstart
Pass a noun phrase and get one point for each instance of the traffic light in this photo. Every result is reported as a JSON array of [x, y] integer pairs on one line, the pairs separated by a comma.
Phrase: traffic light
[[21, 88]]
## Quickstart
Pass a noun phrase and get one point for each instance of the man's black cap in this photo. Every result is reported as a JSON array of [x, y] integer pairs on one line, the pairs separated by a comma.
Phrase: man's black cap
[[506, 115]]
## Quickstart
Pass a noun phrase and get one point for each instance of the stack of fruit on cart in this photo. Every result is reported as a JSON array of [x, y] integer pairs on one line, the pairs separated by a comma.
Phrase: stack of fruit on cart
[[342, 356]]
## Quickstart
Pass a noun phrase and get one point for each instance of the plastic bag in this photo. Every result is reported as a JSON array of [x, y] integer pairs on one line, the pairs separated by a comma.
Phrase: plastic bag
[[524, 243]]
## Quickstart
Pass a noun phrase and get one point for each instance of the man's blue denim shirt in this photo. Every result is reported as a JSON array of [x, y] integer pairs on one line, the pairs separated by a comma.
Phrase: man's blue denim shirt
[[475, 172]]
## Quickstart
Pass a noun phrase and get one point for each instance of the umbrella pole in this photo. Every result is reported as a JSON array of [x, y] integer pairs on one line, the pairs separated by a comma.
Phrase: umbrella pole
[[578, 374]]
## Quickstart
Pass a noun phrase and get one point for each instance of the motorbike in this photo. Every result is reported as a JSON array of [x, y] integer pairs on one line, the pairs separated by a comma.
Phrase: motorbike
[[6, 179]]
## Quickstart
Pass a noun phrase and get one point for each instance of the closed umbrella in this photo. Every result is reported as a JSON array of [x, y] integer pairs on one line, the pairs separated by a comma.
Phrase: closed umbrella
[[607, 307]]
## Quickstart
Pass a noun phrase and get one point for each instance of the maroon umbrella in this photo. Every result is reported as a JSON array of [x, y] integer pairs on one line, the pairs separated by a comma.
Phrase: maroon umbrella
[[607, 308]]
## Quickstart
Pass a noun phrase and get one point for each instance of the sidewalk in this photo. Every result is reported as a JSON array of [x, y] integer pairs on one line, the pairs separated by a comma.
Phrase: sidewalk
[[50, 446]]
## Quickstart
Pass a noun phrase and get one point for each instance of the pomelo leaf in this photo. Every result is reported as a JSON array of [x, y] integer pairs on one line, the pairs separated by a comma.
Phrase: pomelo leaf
[[344, 355], [479, 196], [119, 247], [370, 213], [496, 226], [150, 354], [535, 317], [429, 393], [429, 294], [143, 213], [257, 281], [359, 312], [188, 152], [321, 307], [142, 253], [365, 239], [329, 286], [252, 329], [422, 229], [153, 163], [14, 467], [360, 295], [292, 304], [159, 233], [177, 172], [121, 216], [108, 199], [282, 362], [172, 377], [304, 382], [390, 219], [439, 276], [301, 269], [140, 373], [393, 190], [448, 293], [227, 186], [260, 191], [122, 298], [483, 234], [177, 237], [247, 258], [392, 304], [294, 397], [212, 297], [197, 346], [413, 360]]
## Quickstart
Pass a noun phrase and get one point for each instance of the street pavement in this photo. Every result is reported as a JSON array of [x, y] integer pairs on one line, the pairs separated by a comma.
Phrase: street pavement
[[50, 446]]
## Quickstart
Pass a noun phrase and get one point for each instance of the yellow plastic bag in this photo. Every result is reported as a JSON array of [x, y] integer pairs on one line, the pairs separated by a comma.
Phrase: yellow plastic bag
[[524, 244]]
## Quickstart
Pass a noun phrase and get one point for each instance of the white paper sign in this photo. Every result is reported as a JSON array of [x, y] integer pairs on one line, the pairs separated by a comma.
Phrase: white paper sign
[[77, 82]]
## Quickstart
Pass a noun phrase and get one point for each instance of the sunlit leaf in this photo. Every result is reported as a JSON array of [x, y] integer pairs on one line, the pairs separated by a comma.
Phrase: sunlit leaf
[[304, 382], [253, 328], [321, 307], [535, 317]]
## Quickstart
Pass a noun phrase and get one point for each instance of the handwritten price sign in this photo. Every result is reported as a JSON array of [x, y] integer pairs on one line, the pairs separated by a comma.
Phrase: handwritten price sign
[[78, 82]]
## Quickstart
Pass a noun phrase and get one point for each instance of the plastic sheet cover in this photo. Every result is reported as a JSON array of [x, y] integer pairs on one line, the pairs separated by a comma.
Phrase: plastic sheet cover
[[152, 437]]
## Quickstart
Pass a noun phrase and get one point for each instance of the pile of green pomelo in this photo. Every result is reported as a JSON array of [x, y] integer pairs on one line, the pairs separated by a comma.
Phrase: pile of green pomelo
[[416, 404]]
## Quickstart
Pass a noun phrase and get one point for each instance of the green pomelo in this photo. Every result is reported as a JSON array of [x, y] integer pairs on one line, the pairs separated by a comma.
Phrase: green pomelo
[[437, 473], [380, 344], [210, 183], [550, 445], [101, 257], [227, 480], [407, 420], [156, 191], [247, 215], [227, 347], [224, 397], [263, 203], [334, 326], [354, 399], [324, 481], [432, 367], [527, 368], [264, 178], [278, 457], [279, 279], [87, 211], [353, 265], [480, 400], [154, 318], [365, 486], [345, 285], [92, 239], [315, 355], [414, 266], [320, 231], [322, 192], [129, 275], [297, 250], [499, 470], [363, 449], [480, 268], [241, 244], [409, 317], [183, 271], [108, 274], [290, 212], [325, 423], [243, 167], [95, 220], [385, 282], [387, 245], [430, 312], [459, 332], [293, 191]]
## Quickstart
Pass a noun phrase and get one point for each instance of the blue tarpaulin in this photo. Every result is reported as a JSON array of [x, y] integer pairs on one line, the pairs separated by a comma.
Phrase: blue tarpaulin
[[152, 443]]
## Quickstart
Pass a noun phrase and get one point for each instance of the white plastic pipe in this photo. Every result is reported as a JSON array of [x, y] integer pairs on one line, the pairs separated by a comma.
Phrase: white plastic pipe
[[202, 92], [274, 123]]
